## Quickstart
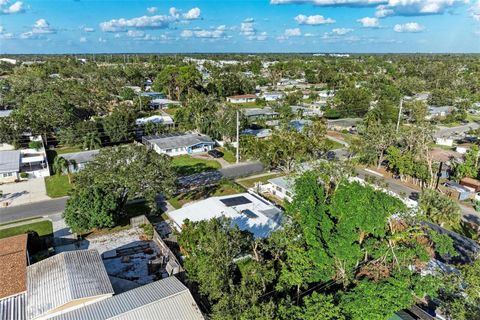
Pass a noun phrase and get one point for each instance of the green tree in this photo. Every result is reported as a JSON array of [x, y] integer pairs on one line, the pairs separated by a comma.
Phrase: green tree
[[469, 167], [175, 80]]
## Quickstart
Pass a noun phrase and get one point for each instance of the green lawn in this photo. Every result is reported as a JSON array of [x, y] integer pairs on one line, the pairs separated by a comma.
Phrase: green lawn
[[228, 155], [64, 150], [186, 165], [333, 145], [57, 186], [249, 183], [43, 228], [225, 188]]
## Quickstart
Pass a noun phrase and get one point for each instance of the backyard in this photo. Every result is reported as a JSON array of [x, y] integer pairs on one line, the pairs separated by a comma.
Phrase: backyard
[[250, 182], [57, 186], [186, 165]]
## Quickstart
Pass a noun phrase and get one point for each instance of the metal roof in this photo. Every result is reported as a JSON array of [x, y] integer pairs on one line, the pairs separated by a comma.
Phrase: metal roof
[[65, 277], [254, 112], [10, 161], [178, 141], [81, 157], [163, 299], [285, 183], [13, 307]]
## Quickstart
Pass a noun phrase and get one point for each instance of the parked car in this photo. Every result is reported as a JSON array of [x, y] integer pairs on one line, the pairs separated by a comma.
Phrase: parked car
[[215, 153]]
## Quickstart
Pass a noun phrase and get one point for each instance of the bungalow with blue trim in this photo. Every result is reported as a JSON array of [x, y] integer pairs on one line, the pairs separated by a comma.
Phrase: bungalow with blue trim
[[179, 143]]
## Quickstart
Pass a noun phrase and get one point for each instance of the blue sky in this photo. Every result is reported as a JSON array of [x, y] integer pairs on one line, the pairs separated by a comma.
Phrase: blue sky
[[89, 26]]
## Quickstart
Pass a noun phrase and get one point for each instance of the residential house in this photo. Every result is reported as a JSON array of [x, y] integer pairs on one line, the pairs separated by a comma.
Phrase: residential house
[[162, 103], [471, 183], [299, 125], [164, 299], [78, 160], [163, 119], [244, 98], [179, 144], [9, 166], [457, 191], [247, 210], [258, 133], [327, 94], [306, 112], [272, 96], [437, 112], [281, 187], [260, 113], [349, 124], [152, 95], [5, 113], [64, 282], [13, 264]]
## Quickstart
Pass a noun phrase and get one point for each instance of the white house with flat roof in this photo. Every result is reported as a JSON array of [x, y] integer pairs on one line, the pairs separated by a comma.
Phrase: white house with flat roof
[[243, 98], [281, 187], [247, 210], [179, 144]]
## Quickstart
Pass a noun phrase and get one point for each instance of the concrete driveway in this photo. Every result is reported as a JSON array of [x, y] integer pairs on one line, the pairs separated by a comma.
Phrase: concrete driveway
[[24, 192]]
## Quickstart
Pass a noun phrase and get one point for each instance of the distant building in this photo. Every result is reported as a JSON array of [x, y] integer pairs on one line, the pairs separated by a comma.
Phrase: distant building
[[8, 60], [153, 95], [260, 113], [258, 133], [5, 113], [248, 211], [349, 124], [438, 112], [163, 119], [272, 96], [161, 103], [179, 144], [299, 125], [244, 98]]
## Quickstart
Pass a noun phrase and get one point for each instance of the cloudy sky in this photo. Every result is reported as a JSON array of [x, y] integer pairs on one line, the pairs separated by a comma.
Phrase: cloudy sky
[[82, 26]]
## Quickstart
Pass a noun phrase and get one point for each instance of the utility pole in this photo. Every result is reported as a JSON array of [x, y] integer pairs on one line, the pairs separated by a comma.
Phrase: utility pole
[[399, 114], [238, 138]]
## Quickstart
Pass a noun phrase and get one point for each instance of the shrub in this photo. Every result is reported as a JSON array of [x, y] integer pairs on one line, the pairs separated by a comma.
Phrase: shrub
[[147, 230], [35, 145], [23, 175]]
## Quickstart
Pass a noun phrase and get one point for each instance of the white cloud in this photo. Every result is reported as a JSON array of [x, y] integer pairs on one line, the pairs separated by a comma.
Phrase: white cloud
[[83, 39], [152, 10], [135, 33], [295, 32], [341, 31], [6, 7], [330, 2], [409, 27], [309, 35], [262, 36], [368, 22], [247, 27], [214, 33], [42, 26], [192, 14], [88, 29], [416, 7], [475, 11], [102, 40], [313, 20], [149, 22]]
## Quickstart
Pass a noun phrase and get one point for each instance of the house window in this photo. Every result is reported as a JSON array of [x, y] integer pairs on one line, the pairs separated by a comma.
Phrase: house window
[[7, 174], [278, 189], [168, 150]]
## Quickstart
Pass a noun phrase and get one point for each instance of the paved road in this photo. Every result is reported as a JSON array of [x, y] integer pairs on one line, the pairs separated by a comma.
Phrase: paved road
[[42, 208], [469, 214]]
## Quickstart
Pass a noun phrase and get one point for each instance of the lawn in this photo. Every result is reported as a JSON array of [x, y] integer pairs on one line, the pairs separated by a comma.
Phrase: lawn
[[57, 186], [225, 188], [228, 155], [43, 228], [250, 182], [333, 145], [64, 150], [186, 165]]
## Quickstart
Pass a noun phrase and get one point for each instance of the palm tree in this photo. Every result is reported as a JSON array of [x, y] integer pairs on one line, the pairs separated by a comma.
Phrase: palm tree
[[60, 165], [91, 141]]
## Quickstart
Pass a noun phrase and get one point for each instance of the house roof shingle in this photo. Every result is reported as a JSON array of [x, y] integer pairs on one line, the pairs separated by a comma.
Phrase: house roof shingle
[[13, 265]]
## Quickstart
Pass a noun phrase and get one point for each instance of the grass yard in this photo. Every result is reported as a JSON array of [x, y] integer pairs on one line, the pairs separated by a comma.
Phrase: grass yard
[[225, 188], [333, 145], [228, 155], [57, 186], [64, 150], [43, 228], [186, 165], [250, 182]]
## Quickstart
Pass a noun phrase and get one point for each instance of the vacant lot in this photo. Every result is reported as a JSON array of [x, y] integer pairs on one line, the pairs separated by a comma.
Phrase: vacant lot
[[186, 165]]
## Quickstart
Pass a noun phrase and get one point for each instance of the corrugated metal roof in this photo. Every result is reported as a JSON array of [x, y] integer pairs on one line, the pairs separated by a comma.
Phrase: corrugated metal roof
[[81, 157], [10, 161], [64, 277], [164, 299], [179, 141], [13, 308]]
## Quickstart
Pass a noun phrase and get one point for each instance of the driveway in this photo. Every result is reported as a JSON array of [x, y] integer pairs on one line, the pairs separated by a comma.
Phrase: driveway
[[24, 192]]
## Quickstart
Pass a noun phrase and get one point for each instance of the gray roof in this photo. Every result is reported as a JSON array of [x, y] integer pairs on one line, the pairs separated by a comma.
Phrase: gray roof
[[65, 277], [255, 112], [5, 113], [284, 183], [164, 299], [13, 307], [81, 157], [346, 122], [178, 141], [10, 161]]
